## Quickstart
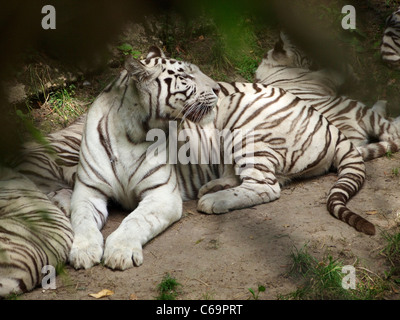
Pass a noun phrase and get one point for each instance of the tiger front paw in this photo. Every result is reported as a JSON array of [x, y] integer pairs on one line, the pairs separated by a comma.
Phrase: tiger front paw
[[122, 254], [62, 199], [86, 251]]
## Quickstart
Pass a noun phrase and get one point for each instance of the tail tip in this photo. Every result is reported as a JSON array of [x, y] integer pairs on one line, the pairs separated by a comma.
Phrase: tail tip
[[368, 228]]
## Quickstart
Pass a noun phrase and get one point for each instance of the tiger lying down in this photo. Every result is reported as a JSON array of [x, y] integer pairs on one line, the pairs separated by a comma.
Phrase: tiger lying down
[[287, 67], [284, 138]]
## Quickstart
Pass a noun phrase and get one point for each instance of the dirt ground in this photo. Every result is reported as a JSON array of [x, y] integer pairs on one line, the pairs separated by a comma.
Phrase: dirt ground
[[222, 256]]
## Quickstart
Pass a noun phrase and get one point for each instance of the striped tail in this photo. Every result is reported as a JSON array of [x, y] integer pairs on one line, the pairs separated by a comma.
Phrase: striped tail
[[379, 149], [351, 176]]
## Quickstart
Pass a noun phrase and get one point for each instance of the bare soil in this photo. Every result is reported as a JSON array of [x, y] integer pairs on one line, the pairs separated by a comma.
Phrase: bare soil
[[222, 256]]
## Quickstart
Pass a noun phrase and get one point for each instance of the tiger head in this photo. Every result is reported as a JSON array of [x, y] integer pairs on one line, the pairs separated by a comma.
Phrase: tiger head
[[285, 54], [173, 89]]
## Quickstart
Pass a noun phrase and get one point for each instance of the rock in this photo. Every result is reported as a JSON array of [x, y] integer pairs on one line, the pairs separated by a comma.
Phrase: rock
[[16, 93]]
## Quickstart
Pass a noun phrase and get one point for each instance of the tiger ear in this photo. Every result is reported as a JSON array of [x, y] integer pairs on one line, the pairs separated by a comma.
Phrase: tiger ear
[[279, 46], [136, 69], [284, 37], [155, 52]]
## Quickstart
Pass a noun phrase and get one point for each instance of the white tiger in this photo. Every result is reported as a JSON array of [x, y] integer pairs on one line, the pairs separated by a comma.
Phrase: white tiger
[[289, 139], [113, 161], [33, 233], [287, 67], [390, 47]]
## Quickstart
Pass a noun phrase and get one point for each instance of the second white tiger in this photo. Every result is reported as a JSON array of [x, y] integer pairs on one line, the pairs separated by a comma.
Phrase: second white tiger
[[287, 67]]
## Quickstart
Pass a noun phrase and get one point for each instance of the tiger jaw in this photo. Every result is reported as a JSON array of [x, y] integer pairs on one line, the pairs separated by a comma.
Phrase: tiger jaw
[[201, 109], [199, 112]]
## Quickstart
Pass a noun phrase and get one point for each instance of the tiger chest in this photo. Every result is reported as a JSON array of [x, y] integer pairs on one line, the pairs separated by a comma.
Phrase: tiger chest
[[123, 164]]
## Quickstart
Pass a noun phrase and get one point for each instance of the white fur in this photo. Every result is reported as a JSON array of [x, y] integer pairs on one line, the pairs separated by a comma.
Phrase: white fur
[[320, 89], [29, 220], [122, 178], [390, 48]]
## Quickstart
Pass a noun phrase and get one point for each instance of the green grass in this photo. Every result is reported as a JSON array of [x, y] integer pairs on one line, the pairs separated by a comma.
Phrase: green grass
[[63, 103], [229, 45], [246, 67], [392, 252], [167, 288], [13, 296], [241, 48], [322, 280], [303, 262], [255, 294]]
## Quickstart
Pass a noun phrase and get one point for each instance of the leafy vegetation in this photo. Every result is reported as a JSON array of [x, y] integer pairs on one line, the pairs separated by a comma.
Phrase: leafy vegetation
[[63, 104], [168, 288], [323, 280], [392, 253], [254, 294], [127, 49]]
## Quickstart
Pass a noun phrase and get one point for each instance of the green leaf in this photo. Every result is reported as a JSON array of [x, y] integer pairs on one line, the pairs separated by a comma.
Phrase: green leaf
[[261, 289], [125, 47]]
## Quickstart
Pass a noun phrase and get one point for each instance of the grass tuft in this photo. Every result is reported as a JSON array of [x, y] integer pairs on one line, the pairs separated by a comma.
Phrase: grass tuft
[[323, 280], [168, 288]]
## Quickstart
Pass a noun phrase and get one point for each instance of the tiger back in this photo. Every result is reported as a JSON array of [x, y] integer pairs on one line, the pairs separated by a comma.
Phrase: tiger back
[[290, 139], [35, 197], [373, 134], [34, 233]]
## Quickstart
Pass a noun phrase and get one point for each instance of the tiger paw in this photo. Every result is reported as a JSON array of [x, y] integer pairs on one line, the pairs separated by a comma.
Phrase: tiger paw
[[218, 185], [216, 203], [85, 252], [121, 254], [62, 199]]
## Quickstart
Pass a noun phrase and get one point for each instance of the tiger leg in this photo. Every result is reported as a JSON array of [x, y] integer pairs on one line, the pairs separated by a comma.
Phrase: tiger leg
[[157, 210], [259, 185], [88, 215], [385, 130], [228, 180]]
